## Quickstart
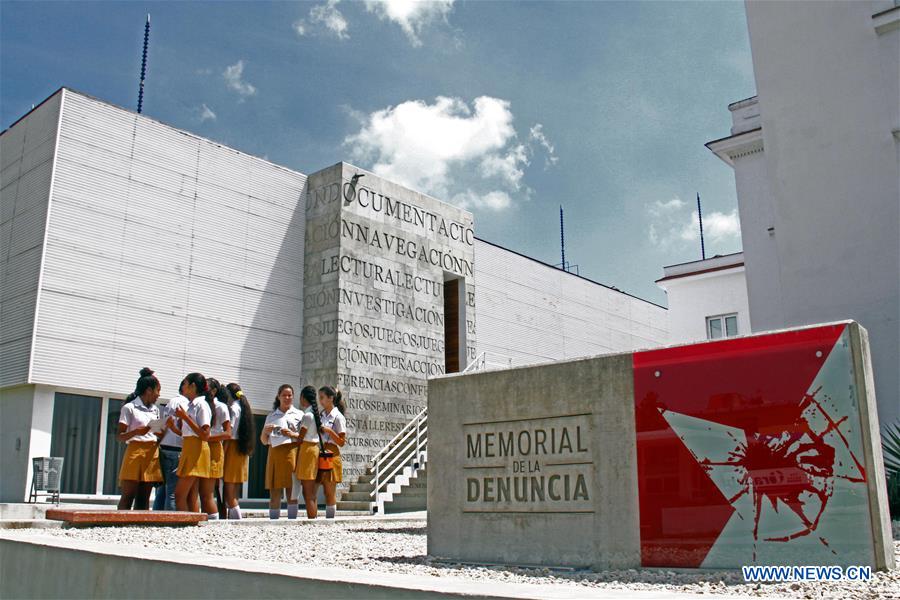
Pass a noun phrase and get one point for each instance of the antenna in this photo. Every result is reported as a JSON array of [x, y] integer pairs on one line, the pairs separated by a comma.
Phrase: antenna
[[700, 218], [562, 246], [562, 237], [144, 64]]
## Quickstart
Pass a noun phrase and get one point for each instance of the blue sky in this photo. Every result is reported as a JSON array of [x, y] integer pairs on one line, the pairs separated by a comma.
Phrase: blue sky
[[509, 108]]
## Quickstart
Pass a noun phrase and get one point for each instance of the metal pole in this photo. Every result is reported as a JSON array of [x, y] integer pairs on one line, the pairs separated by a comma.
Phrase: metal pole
[[700, 218], [144, 65], [562, 237]]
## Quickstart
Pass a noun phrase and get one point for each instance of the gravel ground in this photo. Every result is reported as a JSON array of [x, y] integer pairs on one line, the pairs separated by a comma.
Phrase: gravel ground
[[400, 547]]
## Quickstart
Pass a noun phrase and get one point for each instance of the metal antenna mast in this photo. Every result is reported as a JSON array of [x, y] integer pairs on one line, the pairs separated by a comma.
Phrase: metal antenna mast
[[700, 217], [562, 237], [144, 64]]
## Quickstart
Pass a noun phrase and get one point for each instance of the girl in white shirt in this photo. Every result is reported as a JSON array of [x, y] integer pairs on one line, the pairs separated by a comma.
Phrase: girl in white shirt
[[239, 448], [219, 431], [279, 433], [308, 455], [193, 425], [140, 465], [334, 432]]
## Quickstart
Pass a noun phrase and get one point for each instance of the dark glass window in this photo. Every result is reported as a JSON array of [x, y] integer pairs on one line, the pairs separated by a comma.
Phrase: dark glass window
[[115, 449], [256, 484], [76, 437]]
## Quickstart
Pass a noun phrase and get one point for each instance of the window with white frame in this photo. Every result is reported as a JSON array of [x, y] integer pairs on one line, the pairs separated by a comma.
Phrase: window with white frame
[[721, 326]]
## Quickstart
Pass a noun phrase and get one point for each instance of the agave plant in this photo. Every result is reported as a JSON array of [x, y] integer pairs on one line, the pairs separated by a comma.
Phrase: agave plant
[[890, 445]]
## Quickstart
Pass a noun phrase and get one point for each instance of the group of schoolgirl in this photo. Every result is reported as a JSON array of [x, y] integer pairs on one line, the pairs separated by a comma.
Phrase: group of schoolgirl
[[206, 434], [304, 449]]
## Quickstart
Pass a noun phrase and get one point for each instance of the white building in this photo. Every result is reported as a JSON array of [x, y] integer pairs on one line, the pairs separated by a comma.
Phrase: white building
[[707, 298], [817, 169], [128, 243]]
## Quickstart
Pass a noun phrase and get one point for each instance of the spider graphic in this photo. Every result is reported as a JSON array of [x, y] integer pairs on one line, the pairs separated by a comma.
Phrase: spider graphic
[[795, 466]]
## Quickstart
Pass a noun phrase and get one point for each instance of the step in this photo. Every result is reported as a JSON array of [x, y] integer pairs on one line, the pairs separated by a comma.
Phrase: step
[[353, 505], [356, 497], [366, 478], [362, 487]]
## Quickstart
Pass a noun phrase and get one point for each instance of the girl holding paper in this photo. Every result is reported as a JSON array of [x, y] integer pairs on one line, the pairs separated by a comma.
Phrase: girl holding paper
[[280, 432], [140, 427], [193, 424]]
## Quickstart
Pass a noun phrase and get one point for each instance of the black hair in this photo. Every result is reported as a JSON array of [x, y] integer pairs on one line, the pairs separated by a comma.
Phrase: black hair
[[213, 391], [198, 380], [308, 393], [246, 427], [147, 381], [334, 395], [281, 388]]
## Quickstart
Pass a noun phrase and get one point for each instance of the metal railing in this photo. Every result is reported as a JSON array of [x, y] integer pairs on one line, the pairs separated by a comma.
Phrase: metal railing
[[406, 449], [409, 447]]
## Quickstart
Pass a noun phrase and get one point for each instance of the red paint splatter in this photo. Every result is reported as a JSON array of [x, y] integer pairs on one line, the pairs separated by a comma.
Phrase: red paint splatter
[[795, 467]]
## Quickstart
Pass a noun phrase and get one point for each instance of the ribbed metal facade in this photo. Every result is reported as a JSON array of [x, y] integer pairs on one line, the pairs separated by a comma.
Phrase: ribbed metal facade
[[529, 312], [26, 160], [167, 250]]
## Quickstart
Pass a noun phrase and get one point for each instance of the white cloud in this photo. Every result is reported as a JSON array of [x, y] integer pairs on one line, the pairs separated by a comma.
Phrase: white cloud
[[717, 227], [206, 113], [496, 200], [508, 167], [234, 80], [328, 15], [411, 15], [300, 27], [469, 154], [670, 224], [537, 134]]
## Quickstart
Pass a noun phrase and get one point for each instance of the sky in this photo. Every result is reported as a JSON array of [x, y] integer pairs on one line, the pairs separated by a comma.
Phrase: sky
[[509, 109]]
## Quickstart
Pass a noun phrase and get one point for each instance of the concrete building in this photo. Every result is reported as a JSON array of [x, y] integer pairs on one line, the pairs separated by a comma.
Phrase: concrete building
[[817, 169], [707, 298], [128, 243]]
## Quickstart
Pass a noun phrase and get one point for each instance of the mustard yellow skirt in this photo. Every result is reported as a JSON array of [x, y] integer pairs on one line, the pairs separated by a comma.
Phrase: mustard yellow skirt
[[336, 474], [237, 465], [307, 461], [141, 462], [194, 461], [280, 466], [216, 460]]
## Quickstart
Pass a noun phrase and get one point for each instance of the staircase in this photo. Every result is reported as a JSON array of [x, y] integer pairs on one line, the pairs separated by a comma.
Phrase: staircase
[[395, 479]]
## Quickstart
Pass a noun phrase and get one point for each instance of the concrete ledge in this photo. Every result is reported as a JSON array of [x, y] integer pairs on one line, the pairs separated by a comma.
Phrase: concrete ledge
[[77, 569], [123, 517]]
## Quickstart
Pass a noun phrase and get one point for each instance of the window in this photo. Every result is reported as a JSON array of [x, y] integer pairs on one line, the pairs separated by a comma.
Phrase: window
[[257, 481], [75, 437], [115, 450], [715, 326]]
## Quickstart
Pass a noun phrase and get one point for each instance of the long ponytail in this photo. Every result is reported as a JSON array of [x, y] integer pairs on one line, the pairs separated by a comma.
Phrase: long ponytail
[[213, 391], [246, 427], [308, 393]]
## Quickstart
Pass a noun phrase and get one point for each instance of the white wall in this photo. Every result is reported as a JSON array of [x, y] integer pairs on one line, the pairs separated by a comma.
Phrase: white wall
[[167, 250], [529, 312], [828, 85], [26, 422], [26, 159], [691, 299]]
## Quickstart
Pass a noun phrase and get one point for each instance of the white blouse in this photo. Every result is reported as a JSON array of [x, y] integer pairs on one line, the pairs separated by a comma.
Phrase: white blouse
[[200, 412], [309, 421], [222, 417], [290, 420], [136, 414], [235, 412], [336, 421]]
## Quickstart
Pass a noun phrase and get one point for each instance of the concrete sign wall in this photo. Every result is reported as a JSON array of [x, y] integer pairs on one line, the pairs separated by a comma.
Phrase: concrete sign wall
[[754, 450], [388, 295]]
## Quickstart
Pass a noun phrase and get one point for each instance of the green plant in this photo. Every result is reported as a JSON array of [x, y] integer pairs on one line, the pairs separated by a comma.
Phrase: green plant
[[890, 445]]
